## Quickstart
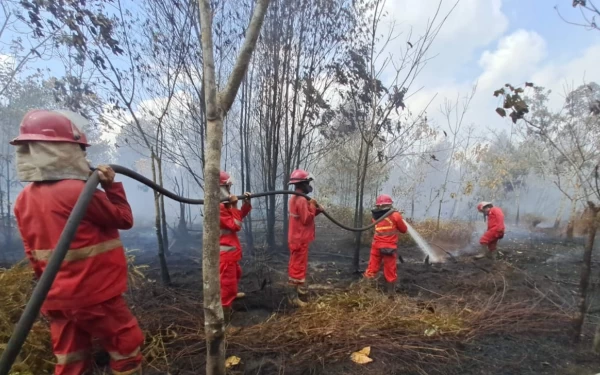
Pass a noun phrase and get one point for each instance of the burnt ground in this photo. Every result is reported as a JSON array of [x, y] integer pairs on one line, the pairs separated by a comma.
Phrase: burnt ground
[[536, 270]]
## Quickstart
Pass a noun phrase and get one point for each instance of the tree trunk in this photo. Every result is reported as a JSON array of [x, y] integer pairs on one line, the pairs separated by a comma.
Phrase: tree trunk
[[164, 270], [571, 224], [163, 215], [518, 208], [561, 208], [360, 206], [8, 218], [585, 272], [216, 109]]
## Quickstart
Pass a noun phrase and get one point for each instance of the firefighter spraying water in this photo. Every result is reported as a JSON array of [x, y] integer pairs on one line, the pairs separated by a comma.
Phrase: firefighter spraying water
[[495, 230], [385, 242]]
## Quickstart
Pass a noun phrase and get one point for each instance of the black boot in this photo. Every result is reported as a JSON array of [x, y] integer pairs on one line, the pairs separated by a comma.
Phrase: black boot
[[391, 289], [292, 297]]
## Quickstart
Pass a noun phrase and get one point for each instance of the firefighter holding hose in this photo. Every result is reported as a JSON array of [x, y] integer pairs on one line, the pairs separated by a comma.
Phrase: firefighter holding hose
[[301, 233], [85, 300], [385, 242], [231, 250], [495, 230]]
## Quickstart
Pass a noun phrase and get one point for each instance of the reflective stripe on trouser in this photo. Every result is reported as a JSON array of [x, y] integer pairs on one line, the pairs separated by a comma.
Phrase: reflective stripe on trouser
[[72, 331], [298, 263], [390, 268], [230, 274], [227, 248], [81, 253]]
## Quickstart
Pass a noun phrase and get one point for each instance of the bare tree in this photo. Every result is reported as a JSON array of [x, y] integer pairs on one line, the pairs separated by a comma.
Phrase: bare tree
[[217, 106], [572, 135]]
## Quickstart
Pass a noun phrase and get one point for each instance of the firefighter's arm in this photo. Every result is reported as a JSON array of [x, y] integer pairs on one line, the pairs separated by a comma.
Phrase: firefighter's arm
[[231, 219], [37, 269], [306, 211], [400, 224], [247, 206], [492, 221], [110, 209]]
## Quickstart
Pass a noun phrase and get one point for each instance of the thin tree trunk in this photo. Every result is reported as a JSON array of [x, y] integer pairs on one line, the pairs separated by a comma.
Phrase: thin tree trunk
[[571, 224], [585, 272], [360, 216], [357, 216], [163, 215], [8, 206], [164, 270], [216, 108]]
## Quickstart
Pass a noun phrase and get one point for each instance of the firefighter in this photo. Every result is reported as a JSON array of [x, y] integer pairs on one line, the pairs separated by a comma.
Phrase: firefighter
[[85, 300], [385, 242], [231, 249], [495, 229], [301, 233]]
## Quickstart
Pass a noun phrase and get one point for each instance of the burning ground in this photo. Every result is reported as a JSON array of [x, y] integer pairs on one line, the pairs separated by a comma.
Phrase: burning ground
[[459, 317]]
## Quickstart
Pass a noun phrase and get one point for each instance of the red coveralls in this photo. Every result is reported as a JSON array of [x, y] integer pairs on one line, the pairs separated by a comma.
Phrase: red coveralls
[[85, 300], [495, 229], [386, 237], [301, 233], [231, 250]]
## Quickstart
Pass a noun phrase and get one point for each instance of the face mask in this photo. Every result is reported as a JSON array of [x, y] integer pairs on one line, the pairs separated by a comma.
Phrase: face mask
[[224, 192], [309, 189]]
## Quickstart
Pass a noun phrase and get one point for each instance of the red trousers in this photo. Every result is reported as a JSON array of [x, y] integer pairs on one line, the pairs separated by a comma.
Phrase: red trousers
[[490, 238], [390, 267], [72, 331], [298, 263], [231, 273]]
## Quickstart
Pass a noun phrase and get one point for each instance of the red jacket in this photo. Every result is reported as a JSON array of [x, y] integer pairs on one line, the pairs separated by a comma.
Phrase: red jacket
[[231, 223], [94, 269], [386, 231], [495, 220], [302, 220]]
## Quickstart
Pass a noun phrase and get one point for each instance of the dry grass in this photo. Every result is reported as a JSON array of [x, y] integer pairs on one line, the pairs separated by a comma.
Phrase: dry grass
[[36, 357], [414, 332]]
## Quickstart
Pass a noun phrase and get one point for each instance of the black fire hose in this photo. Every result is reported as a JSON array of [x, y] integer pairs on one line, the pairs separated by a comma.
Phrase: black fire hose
[[43, 285], [138, 177]]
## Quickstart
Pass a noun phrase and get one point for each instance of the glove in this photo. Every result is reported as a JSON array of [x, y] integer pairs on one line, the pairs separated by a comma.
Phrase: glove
[[233, 199], [106, 175], [313, 202], [247, 197]]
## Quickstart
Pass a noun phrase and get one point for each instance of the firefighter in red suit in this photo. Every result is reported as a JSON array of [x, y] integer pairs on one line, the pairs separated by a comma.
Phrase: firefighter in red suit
[[231, 249], [85, 300], [495, 229], [301, 233], [385, 242]]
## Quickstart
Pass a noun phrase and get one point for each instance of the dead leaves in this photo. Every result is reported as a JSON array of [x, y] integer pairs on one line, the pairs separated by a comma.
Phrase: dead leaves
[[361, 357], [232, 361]]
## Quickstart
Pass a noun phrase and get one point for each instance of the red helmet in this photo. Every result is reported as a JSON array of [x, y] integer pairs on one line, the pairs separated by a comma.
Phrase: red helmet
[[51, 126], [225, 179], [481, 205], [383, 200], [300, 175]]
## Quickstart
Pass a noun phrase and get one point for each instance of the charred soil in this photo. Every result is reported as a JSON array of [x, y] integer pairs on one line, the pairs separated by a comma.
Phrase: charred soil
[[512, 316]]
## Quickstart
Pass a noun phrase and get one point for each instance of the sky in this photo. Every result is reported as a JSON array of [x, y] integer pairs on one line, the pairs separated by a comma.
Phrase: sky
[[493, 42]]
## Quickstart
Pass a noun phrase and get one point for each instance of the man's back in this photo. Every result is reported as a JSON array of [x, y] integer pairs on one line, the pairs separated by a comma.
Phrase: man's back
[[95, 268]]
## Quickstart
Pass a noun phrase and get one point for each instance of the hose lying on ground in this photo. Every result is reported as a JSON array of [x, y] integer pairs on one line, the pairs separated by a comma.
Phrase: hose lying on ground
[[40, 291]]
